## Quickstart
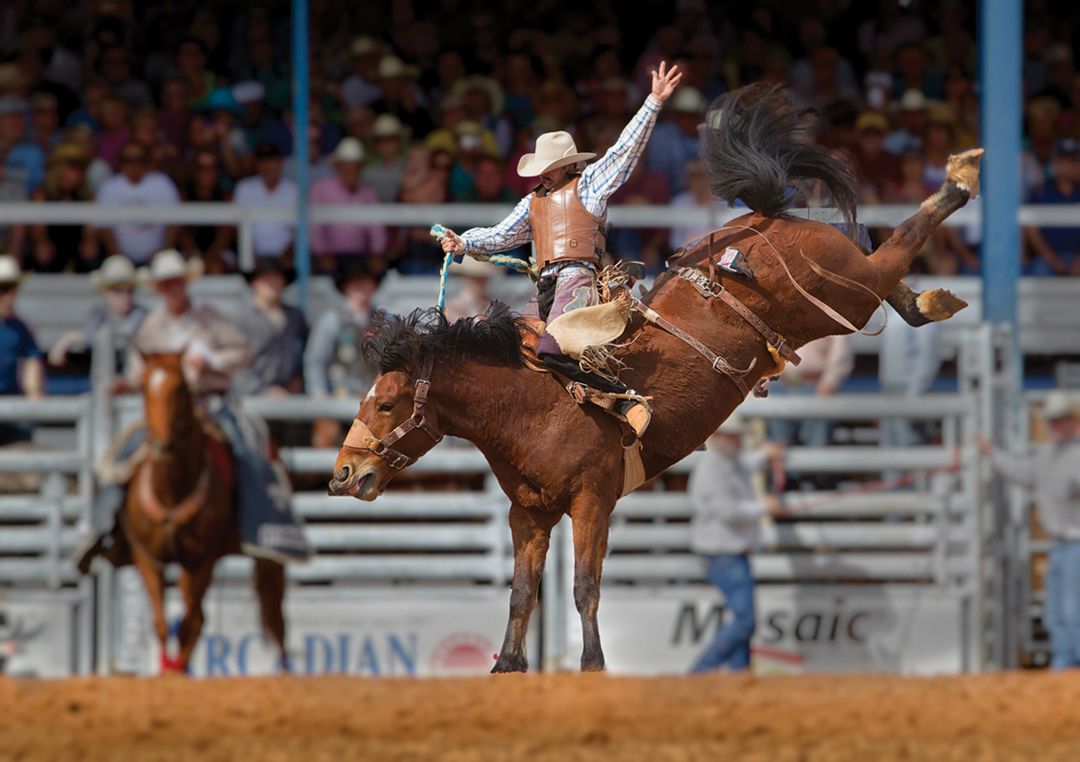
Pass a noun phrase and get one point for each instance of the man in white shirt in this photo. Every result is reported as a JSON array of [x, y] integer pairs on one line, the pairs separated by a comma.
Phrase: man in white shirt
[[724, 529], [1053, 471], [134, 185], [269, 188]]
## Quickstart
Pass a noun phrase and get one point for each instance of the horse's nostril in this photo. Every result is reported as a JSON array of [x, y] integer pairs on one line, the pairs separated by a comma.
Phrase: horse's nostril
[[342, 473]]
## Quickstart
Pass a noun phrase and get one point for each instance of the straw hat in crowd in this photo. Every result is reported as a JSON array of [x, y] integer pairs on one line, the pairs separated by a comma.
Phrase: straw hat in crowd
[[348, 150], [10, 272], [169, 264], [117, 270]]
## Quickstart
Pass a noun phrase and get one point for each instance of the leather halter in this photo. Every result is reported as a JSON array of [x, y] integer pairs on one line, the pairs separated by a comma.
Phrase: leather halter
[[361, 438]]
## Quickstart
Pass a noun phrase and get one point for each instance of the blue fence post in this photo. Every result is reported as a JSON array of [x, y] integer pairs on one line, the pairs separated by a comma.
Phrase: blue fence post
[[301, 249], [1001, 27]]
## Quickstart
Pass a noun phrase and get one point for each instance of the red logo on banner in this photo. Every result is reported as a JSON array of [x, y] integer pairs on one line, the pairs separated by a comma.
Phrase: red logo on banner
[[463, 653]]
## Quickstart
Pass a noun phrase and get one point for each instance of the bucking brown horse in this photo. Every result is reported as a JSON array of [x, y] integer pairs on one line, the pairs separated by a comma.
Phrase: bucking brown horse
[[179, 509], [800, 281]]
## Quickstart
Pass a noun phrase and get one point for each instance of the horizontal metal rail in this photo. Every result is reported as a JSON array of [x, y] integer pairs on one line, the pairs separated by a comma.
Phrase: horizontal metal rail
[[644, 216]]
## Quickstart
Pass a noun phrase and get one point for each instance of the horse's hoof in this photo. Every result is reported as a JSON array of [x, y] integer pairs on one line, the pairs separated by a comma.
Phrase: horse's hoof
[[963, 169], [171, 666], [510, 664], [939, 304], [592, 664]]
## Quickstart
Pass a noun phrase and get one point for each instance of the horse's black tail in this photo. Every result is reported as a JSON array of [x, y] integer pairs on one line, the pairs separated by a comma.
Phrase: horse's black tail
[[755, 144]]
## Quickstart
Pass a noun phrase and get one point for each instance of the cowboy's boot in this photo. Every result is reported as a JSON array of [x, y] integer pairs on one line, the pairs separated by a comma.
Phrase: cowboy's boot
[[635, 411]]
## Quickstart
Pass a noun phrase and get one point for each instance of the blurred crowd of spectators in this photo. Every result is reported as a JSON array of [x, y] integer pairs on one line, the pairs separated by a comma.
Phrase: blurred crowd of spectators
[[427, 102]]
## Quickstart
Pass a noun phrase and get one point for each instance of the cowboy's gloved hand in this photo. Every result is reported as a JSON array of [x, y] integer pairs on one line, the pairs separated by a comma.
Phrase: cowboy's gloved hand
[[665, 81], [452, 243]]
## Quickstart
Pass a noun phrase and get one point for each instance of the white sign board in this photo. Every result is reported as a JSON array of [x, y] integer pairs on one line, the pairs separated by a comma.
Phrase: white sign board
[[799, 629], [351, 633], [36, 638]]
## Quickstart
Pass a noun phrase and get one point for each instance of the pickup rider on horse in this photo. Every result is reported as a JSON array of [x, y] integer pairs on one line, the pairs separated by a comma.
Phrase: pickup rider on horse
[[565, 217]]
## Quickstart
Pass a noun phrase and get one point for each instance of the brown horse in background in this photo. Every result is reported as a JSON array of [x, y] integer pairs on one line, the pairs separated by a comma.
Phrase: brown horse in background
[[553, 456], [179, 509]]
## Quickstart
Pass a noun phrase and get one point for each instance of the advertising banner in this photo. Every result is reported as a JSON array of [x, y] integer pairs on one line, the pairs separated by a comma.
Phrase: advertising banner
[[799, 629], [349, 633], [36, 638]]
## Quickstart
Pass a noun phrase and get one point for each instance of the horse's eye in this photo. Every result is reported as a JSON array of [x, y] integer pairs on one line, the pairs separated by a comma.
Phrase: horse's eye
[[386, 407]]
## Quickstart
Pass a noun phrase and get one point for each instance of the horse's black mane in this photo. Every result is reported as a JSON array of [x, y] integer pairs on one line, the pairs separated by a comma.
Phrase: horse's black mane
[[399, 342]]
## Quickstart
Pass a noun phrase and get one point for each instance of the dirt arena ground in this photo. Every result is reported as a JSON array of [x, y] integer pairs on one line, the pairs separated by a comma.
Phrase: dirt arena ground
[[543, 717]]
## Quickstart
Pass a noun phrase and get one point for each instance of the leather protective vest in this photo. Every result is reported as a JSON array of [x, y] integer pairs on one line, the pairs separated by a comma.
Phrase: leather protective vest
[[563, 229]]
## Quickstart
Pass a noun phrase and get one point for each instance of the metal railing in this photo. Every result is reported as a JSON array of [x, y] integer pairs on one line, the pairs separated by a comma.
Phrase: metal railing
[[424, 215]]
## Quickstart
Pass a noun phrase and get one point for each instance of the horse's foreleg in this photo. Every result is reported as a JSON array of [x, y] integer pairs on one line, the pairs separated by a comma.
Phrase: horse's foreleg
[[193, 586], [531, 531], [894, 257], [154, 580], [591, 518], [270, 587]]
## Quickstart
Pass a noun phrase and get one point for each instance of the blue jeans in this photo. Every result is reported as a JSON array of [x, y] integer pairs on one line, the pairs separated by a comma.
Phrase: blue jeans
[[1062, 613], [731, 644]]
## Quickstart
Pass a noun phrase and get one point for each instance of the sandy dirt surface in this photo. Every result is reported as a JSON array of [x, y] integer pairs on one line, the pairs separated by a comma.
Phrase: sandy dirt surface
[[543, 717]]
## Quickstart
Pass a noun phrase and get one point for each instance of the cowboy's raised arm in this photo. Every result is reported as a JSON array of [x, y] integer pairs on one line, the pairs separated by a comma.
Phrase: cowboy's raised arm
[[513, 231], [603, 177]]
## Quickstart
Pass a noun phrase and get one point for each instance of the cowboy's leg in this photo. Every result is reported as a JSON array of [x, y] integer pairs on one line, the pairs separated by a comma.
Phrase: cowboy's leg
[[107, 536], [731, 643], [268, 527], [1054, 609], [575, 288]]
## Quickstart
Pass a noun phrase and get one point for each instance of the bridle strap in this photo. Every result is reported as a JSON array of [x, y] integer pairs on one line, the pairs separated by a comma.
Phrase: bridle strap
[[360, 436]]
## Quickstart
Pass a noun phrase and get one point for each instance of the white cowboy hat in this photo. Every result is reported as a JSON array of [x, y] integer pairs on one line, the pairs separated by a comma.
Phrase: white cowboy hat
[[117, 270], [348, 150], [474, 268], [479, 82], [10, 272], [391, 67], [553, 149], [169, 264], [363, 45], [1058, 405], [387, 126], [688, 100]]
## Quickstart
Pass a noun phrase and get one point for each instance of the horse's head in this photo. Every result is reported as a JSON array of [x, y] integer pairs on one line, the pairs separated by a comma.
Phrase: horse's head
[[395, 425], [391, 430], [166, 394]]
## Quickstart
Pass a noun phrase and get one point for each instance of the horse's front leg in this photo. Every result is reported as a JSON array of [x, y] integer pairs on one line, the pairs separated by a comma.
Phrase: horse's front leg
[[591, 517], [153, 576], [193, 586], [531, 531]]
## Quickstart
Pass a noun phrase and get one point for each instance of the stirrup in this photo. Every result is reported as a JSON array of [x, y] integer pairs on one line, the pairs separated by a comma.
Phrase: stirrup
[[629, 407]]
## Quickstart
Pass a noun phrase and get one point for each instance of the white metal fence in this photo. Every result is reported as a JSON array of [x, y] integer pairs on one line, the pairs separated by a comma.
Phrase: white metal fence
[[46, 610], [456, 215]]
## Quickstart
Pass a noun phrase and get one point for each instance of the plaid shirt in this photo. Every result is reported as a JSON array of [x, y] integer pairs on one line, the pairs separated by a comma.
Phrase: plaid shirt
[[598, 181]]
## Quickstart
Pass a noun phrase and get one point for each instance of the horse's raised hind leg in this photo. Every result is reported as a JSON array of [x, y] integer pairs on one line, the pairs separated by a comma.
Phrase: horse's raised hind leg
[[531, 531], [894, 257], [590, 517], [153, 577], [193, 586], [270, 587]]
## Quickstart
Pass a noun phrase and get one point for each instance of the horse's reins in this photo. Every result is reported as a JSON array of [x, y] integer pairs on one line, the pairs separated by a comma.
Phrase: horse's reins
[[360, 436]]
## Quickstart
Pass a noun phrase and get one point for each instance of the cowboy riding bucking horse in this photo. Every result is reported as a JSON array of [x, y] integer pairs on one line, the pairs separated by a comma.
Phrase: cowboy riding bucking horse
[[564, 217]]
